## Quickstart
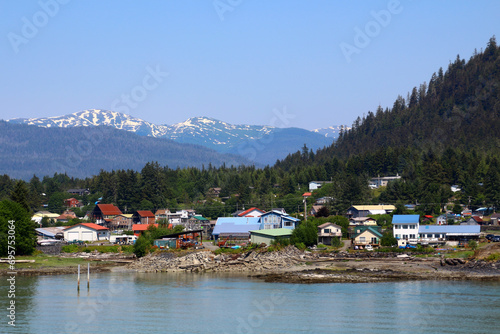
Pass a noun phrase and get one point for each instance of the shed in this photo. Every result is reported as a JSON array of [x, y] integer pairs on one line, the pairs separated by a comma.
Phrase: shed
[[268, 236]]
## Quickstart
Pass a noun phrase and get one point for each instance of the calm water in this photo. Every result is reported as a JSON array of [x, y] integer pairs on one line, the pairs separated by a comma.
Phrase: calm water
[[167, 303]]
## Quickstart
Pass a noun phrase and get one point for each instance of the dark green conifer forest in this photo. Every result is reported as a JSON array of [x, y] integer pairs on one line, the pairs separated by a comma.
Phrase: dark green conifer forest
[[443, 133]]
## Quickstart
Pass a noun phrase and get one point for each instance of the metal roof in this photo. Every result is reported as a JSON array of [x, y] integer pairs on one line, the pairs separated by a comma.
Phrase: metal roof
[[276, 232], [450, 229], [405, 219], [228, 225], [373, 207]]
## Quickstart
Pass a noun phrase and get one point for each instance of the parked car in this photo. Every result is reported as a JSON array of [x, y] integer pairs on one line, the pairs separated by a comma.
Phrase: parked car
[[489, 236], [496, 238], [369, 247]]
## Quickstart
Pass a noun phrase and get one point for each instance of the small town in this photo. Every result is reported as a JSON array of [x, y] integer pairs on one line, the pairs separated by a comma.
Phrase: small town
[[363, 231], [231, 166]]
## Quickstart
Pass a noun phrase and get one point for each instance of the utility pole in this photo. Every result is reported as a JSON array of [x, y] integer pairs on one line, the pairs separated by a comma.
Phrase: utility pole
[[305, 195]]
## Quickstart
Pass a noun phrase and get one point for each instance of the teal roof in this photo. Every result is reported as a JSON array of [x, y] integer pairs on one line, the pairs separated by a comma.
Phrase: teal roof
[[276, 232], [200, 218], [373, 229]]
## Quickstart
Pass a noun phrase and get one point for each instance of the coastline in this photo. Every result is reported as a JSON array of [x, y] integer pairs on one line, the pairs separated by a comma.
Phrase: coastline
[[286, 265]]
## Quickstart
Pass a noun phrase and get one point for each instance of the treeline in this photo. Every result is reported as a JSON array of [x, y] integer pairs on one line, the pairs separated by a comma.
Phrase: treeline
[[442, 134]]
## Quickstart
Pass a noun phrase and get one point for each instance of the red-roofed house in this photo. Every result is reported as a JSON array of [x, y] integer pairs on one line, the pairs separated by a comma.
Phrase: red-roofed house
[[139, 228], [104, 213], [143, 217], [72, 203], [86, 232], [66, 216], [252, 212]]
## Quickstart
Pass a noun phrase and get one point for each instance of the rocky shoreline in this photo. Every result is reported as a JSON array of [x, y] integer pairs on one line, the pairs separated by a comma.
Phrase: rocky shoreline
[[288, 265], [294, 266]]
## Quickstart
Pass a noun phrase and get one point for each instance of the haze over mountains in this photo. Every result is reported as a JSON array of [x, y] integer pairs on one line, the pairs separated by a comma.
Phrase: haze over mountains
[[260, 144], [82, 151]]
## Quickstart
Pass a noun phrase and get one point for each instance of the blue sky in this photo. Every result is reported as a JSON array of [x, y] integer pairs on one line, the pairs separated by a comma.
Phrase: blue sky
[[241, 61]]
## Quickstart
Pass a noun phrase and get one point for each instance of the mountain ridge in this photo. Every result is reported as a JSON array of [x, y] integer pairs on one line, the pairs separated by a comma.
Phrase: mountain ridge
[[221, 136]]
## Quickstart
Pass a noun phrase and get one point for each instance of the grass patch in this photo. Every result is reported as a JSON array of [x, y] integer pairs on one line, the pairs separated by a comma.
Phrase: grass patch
[[460, 254], [493, 257], [46, 261], [100, 249]]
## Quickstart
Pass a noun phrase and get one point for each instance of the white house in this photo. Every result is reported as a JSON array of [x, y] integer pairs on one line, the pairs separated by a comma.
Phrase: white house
[[328, 231], [313, 185], [405, 229], [86, 232]]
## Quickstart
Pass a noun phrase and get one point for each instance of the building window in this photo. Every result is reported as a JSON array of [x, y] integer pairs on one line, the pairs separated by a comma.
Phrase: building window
[[327, 230], [398, 236], [405, 227], [361, 239]]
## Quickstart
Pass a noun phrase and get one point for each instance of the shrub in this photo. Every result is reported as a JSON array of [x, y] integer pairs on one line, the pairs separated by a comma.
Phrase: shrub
[[388, 240], [301, 246], [141, 246], [493, 257]]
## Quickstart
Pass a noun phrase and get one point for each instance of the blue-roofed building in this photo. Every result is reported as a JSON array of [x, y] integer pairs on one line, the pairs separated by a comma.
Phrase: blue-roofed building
[[405, 229], [442, 233], [240, 227], [235, 227]]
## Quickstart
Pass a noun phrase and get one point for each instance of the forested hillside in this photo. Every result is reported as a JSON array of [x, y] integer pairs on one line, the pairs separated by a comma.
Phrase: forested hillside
[[443, 133]]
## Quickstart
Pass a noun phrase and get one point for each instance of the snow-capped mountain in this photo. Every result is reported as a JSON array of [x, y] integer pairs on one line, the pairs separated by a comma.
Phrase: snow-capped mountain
[[331, 131], [259, 143]]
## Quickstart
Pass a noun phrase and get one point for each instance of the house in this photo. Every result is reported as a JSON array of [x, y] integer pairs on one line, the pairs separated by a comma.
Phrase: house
[[276, 219], [139, 228], [39, 215], [252, 212], [366, 235], [214, 192], [363, 221], [494, 219], [86, 232], [179, 217], [122, 222], [474, 220], [377, 182], [66, 216], [200, 222], [405, 229], [366, 210], [79, 192], [72, 203], [143, 217], [435, 234], [328, 231], [161, 214], [444, 218], [269, 236], [104, 213], [315, 209], [314, 185], [324, 200]]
